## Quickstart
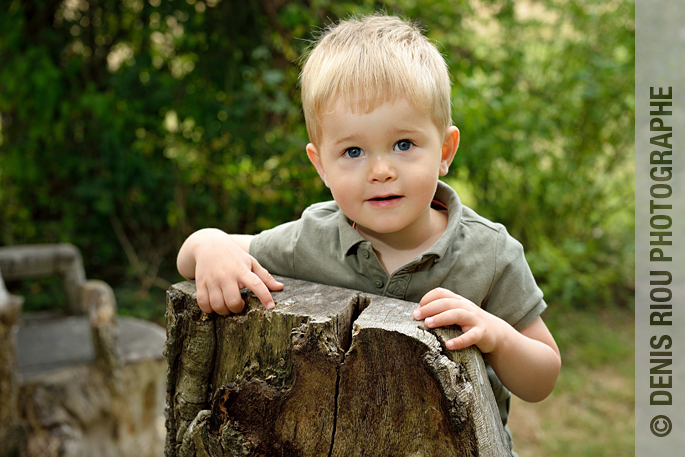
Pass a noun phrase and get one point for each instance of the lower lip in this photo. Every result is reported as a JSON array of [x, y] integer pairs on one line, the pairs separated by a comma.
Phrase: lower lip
[[392, 202]]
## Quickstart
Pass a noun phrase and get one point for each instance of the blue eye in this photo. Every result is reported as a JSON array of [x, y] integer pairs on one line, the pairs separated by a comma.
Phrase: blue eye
[[403, 145], [353, 153]]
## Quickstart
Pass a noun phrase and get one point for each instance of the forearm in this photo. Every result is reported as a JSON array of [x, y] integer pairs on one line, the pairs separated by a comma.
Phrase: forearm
[[186, 260], [527, 367]]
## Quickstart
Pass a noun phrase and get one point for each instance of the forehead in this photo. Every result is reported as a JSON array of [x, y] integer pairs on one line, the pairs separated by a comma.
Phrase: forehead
[[349, 120], [351, 105]]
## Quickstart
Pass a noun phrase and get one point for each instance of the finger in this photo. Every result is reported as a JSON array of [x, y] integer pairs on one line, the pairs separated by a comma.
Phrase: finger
[[461, 317], [216, 300], [437, 294], [265, 276], [469, 338], [203, 298], [232, 298], [438, 306], [256, 285]]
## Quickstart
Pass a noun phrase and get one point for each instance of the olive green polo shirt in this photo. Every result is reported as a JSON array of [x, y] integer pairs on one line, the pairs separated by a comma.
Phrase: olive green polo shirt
[[475, 258]]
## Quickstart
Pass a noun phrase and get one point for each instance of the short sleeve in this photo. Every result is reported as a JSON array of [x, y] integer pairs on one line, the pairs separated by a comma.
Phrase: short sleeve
[[514, 296], [274, 248]]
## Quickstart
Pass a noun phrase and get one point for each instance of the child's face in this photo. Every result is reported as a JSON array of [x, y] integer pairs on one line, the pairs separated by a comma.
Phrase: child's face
[[382, 167]]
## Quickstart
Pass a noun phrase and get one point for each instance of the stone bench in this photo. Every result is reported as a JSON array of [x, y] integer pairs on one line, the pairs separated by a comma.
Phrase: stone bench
[[84, 384]]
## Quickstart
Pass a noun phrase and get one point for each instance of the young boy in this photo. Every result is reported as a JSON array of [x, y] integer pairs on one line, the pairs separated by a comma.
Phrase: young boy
[[376, 99]]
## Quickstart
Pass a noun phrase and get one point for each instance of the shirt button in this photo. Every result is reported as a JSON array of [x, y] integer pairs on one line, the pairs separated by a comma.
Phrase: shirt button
[[365, 253], [378, 283]]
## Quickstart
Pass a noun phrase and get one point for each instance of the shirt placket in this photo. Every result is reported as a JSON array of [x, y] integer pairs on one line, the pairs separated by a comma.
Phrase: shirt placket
[[373, 267], [394, 286]]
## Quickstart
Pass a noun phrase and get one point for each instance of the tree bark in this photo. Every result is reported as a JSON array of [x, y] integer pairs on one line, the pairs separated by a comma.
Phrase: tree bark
[[328, 372]]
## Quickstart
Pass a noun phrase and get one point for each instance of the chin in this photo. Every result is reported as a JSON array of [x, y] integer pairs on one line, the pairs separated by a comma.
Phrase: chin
[[383, 229]]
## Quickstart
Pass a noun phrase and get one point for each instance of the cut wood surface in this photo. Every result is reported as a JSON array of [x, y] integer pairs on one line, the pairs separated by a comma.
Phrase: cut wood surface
[[328, 372]]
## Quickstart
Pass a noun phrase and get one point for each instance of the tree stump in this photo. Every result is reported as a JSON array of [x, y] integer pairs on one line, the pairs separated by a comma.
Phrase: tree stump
[[328, 372]]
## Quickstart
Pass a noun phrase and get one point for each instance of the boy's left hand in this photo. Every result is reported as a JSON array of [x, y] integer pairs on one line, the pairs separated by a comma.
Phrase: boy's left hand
[[527, 362], [441, 307]]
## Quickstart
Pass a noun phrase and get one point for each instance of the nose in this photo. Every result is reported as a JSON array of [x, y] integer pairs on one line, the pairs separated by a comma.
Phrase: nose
[[381, 169]]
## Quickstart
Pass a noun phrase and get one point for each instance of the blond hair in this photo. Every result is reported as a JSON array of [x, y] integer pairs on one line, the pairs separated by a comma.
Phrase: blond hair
[[365, 62]]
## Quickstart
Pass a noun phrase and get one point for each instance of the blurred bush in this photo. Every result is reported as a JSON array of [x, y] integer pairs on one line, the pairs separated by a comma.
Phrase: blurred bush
[[125, 126]]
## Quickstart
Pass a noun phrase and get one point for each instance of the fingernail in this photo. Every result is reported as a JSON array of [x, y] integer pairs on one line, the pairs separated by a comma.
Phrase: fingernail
[[270, 305], [417, 314], [429, 321]]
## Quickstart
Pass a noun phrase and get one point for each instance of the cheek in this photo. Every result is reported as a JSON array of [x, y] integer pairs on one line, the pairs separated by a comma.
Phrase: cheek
[[343, 183], [344, 195], [423, 186], [418, 175], [348, 194]]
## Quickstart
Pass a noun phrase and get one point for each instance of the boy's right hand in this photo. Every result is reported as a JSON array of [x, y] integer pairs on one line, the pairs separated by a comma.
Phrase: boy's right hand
[[221, 267]]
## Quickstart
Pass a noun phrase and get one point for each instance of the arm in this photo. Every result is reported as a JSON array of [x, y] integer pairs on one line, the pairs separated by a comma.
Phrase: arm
[[527, 363], [221, 265]]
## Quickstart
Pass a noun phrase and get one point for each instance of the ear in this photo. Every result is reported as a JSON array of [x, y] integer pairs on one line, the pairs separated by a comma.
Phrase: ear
[[315, 159], [449, 149]]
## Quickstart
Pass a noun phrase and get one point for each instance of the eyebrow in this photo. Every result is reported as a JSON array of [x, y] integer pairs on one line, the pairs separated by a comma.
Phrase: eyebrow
[[349, 138], [408, 131]]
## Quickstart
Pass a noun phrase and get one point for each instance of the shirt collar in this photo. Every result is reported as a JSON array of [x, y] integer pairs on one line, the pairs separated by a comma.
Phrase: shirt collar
[[350, 238], [446, 195]]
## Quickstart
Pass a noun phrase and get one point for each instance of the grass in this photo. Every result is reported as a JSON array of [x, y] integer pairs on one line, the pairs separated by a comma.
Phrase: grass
[[591, 411]]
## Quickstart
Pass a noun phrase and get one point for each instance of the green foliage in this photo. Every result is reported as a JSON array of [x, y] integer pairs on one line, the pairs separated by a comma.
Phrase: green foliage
[[545, 104], [125, 126]]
